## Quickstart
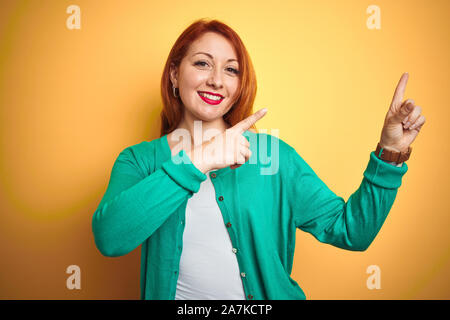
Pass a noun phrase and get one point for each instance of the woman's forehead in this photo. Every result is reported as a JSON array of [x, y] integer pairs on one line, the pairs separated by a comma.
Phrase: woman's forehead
[[213, 44]]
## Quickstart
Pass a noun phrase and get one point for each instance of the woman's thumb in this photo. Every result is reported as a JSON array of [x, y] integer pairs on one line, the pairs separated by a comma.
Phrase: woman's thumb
[[404, 110]]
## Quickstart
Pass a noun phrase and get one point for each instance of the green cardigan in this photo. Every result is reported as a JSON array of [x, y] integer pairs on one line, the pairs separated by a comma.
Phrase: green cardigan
[[263, 202]]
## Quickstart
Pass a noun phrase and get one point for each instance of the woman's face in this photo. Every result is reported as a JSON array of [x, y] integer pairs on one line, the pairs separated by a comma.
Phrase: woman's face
[[210, 65]]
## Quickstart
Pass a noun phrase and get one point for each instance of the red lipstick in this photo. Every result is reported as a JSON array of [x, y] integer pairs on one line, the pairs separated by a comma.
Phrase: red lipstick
[[209, 101]]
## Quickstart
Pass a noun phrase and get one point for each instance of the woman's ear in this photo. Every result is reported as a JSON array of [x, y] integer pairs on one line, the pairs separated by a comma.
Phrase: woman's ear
[[173, 72]]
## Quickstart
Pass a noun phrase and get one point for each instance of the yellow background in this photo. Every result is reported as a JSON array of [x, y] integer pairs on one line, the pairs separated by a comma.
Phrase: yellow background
[[71, 100]]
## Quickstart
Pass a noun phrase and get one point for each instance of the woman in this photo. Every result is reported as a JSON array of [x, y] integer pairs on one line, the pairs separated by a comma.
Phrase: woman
[[215, 219]]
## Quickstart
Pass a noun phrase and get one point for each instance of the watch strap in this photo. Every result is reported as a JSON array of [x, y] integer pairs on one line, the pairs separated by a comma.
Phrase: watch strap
[[392, 156]]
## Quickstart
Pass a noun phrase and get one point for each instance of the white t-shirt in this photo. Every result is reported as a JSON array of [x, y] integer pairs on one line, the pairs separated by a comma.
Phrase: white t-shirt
[[208, 267]]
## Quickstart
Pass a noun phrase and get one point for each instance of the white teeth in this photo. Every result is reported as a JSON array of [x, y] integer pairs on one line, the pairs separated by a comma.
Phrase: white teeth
[[210, 96]]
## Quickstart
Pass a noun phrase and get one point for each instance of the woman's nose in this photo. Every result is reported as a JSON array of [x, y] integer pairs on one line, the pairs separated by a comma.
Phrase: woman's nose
[[215, 79]]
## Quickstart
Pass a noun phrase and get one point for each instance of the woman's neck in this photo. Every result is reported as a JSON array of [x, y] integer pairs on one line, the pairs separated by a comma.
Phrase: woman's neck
[[190, 133]]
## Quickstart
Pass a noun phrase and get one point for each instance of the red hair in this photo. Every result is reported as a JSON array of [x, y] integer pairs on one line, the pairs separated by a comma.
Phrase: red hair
[[172, 112]]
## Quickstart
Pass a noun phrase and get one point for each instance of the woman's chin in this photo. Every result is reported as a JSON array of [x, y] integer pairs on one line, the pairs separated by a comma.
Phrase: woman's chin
[[209, 115]]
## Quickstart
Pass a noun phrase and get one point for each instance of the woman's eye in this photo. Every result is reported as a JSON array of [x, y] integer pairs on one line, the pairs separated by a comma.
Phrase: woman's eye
[[234, 70], [203, 63], [200, 63]]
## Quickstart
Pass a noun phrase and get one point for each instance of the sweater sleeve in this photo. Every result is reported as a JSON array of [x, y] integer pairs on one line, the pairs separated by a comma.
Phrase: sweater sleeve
[[351, 225], [134, 205]]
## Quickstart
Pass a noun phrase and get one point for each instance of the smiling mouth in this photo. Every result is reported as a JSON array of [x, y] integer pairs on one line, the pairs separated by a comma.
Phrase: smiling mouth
[[210, 99]]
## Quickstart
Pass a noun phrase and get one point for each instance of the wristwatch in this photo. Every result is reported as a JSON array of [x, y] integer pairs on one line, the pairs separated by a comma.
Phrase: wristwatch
[[392, 156]]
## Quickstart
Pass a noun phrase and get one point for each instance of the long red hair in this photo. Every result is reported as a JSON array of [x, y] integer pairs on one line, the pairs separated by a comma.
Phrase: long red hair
[[172, 112]]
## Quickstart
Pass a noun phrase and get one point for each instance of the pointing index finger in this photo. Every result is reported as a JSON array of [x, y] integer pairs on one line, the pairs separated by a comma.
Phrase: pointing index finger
[[249, 121], [400, 91]]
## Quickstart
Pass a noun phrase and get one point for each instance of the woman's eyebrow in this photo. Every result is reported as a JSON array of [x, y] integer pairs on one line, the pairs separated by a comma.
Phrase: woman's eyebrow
[[209, 55]]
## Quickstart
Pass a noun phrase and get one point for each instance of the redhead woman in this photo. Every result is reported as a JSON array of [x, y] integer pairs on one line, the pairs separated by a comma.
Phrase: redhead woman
[[214, 204]]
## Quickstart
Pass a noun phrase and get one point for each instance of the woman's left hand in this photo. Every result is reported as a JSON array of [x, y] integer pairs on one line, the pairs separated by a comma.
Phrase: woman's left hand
[[403, 121]]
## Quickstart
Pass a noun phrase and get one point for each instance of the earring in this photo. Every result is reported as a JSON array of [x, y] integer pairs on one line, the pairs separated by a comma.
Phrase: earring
[[175, 92]]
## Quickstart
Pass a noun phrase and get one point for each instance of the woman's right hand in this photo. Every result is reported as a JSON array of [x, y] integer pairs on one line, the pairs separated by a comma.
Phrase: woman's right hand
[[229, 148]]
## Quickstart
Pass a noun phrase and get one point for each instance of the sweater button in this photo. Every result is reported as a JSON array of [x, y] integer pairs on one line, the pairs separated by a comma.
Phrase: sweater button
[[228, 225], [220, 198], [213, 175], [250, 296]]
